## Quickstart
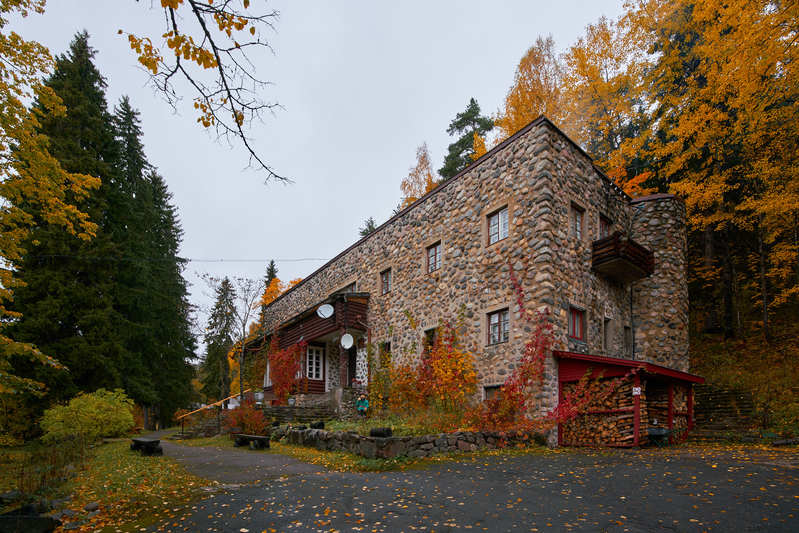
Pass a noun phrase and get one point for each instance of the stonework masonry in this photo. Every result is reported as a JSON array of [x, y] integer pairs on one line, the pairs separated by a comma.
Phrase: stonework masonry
[[541, 177]]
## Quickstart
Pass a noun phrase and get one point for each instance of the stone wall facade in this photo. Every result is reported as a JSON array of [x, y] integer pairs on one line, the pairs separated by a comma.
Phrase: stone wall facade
[[541, 177]]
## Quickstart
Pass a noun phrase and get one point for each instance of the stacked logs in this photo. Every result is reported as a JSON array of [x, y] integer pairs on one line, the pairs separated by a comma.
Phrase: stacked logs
[[598, 427]]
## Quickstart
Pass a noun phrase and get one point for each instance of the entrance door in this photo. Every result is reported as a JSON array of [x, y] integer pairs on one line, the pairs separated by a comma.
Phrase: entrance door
[[352, 357]]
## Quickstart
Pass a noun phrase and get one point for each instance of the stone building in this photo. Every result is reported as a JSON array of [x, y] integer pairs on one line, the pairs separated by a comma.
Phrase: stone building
[[609, 269]]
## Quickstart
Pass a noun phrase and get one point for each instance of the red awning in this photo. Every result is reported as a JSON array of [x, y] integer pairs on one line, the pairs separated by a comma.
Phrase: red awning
[[574, 365]]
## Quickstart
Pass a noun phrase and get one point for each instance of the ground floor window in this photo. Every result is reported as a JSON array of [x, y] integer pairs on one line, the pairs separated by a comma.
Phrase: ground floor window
[[577, 324], [313, 366]]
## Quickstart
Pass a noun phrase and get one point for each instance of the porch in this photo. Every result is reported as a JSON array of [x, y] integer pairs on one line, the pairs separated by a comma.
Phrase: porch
[[327, 366]]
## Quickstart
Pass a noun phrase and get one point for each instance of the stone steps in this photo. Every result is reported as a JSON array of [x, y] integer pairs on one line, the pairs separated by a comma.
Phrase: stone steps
[[722, 414]]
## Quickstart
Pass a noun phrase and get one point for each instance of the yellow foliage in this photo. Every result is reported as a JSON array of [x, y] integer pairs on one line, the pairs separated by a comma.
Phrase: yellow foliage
[[29, 175], [478, 146], [420, 178]]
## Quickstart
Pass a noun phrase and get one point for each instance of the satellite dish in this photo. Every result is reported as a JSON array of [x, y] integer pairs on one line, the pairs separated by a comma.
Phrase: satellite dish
[[347, 341], [325, 311]]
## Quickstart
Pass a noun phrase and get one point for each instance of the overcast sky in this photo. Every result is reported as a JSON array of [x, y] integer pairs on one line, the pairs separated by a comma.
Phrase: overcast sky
[[362, 84]]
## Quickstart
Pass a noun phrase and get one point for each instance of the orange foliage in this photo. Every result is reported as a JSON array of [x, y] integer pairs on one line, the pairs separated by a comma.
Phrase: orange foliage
[[536, 89]]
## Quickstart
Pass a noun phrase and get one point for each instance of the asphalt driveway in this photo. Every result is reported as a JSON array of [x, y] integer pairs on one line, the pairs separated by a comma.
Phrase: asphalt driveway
[[686, 489]]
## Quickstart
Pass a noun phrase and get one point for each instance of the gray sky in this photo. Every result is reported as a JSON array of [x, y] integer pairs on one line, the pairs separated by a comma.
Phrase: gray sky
[[362, 85]]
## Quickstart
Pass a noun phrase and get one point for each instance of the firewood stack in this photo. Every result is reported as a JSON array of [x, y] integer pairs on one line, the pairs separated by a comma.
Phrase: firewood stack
[[597, 427]]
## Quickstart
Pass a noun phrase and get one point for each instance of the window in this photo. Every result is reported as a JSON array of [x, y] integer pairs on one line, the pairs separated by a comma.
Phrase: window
[[383, 354], [606, 335], [498, 326], [430, 337], [490, 391], [313, 367], [628, 341], [577, 216], [605, 226], [434, 257], [385, 281], [498, 225], [576, 323]]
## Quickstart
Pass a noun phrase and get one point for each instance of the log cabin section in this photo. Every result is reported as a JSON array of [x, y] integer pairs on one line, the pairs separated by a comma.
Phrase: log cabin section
[[324, 364]]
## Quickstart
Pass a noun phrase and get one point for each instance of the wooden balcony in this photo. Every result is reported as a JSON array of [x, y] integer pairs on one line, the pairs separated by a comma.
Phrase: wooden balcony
[[622, 259]]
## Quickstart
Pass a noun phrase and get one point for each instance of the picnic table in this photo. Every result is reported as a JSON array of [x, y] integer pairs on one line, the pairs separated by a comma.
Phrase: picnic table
[[147, 446], [256, 442]]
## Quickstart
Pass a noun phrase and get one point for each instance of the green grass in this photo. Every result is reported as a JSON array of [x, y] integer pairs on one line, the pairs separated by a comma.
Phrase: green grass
[[398, 425], [132, 490]]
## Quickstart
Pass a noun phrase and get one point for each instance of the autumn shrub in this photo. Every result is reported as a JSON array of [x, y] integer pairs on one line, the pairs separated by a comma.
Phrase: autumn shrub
[[89, 416], [379, 388], [512, 407], [246, 418], [284, 365], [437, 391]]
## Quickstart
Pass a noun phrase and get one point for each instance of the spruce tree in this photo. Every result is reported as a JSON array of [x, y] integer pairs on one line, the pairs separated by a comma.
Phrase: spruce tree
[[152, 293], [465, 124], [169, 317], [219, 338], [68, 303]]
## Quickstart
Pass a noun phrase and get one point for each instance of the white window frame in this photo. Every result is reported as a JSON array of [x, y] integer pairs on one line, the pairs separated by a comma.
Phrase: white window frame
[[385, 283], [498, 225], [435, 264], [314, 359]]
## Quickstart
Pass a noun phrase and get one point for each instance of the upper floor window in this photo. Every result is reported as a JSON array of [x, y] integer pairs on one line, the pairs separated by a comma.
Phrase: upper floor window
[[313, 367], [576, 323], [430, 338], [628, 341], [577, 220], [434, 257], [606, 333], [605, 226], [385, 281], [498, 225], [498, 326]]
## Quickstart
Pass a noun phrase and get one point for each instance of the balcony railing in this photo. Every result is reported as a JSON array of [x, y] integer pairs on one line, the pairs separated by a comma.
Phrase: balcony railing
[[622, 259]]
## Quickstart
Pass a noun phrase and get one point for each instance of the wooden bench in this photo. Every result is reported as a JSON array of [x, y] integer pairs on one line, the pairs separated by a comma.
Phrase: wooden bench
[[147, 446], [256, 442]]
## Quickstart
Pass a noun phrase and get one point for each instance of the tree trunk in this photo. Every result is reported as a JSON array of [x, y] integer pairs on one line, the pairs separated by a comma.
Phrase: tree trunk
[[728, 292], [761, 248], [241, 374], [712, 317]]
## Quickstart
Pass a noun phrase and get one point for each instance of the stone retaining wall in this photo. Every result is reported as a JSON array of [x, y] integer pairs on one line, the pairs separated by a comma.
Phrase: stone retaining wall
[[285, 413], [421, 446]]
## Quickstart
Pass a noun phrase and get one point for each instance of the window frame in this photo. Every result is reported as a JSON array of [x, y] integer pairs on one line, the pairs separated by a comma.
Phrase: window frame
[[497, 213], [318, 351], [436, 247], [386, 282], [503, 326], [605, 227], [577, 214], [577, 313]]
